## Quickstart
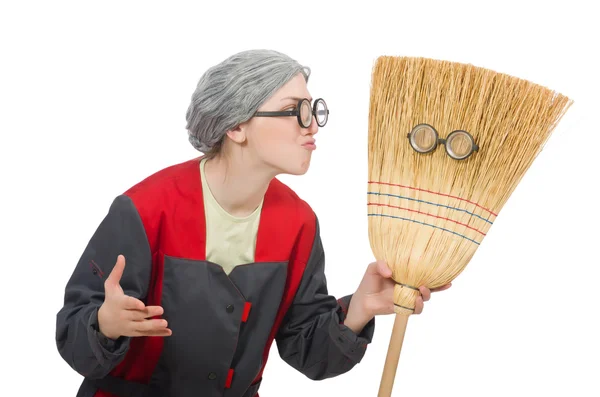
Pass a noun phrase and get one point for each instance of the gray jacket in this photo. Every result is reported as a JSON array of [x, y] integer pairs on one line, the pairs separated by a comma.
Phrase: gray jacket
[[223, 325]]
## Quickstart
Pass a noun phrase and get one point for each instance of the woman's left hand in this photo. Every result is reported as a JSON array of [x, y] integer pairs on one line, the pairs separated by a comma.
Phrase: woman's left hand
[[375, 296]]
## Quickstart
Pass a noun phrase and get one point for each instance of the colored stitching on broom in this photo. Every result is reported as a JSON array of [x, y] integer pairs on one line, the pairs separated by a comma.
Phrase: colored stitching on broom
[[428, 202], [426, 224], [408, 286], [438, 193], [404, 307], [424, 213]]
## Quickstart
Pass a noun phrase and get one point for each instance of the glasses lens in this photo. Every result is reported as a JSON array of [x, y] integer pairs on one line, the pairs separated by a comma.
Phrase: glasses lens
[[459, 144], [321, 112], [423, 138], [305, 113]]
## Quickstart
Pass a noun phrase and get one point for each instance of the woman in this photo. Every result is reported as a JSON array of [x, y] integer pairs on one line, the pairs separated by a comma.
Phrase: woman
[[198, 268]]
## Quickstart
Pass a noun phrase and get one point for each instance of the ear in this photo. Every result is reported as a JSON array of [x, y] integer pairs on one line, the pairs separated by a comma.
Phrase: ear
[[238, 133]]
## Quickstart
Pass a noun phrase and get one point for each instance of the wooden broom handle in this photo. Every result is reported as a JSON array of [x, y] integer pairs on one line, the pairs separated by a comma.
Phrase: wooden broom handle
[[393, 356]]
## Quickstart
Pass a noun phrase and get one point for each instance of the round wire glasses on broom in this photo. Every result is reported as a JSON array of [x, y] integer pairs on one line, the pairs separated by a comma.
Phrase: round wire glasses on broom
[[448, 144]]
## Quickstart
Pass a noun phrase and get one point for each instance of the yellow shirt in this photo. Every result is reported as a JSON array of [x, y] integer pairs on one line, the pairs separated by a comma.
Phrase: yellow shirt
[[230, 240]]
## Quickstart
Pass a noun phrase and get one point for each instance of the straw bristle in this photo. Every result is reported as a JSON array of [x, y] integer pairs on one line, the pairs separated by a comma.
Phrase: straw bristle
[[428, 213]]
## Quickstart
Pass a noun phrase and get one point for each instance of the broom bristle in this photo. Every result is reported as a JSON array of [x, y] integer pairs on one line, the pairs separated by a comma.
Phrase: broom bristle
[[428, 213]]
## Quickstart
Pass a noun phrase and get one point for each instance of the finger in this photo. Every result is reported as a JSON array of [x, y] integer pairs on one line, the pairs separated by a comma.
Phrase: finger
[[165, 332], [147, 312], [384, 304], [418, 306], [389, 309], [372, 268], [131, 303], [153, 325], [442, 288], [154, 310], [388, 292], [114, 278], [425, 293], [383, 269]]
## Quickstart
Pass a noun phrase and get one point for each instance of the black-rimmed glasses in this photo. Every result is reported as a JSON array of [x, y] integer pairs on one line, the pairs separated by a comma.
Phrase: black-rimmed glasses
[[425, 139], [304, 113]]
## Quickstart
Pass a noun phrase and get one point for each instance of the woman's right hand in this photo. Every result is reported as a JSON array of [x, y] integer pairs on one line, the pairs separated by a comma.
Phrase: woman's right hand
[[122, 315]]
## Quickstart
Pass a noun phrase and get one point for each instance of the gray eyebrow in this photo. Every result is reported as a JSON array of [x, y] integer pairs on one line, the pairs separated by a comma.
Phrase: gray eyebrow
[[296, 98]]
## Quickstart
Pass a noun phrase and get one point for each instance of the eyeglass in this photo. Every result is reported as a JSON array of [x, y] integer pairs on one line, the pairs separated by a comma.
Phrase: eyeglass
[[303, 112], [425, 139]]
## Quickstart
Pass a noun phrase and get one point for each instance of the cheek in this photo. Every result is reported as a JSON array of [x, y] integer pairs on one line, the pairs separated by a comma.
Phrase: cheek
[[277, 138]]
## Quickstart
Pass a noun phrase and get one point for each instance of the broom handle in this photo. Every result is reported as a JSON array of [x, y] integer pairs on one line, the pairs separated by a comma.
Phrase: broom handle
[[393, 356]]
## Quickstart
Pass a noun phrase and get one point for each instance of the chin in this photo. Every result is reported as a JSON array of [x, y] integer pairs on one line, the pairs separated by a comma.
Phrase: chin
[[303, 166], [292, 165], [302, 170], [299, 168]]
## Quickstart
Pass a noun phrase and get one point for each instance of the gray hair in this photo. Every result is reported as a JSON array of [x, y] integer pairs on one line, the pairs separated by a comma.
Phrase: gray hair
[[230, 92]]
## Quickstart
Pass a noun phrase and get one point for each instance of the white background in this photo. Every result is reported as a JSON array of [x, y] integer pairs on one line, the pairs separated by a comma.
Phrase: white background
[[93, 99]]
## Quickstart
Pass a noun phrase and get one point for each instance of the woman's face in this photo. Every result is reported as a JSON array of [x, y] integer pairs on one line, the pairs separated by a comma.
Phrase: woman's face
[[280, 142]]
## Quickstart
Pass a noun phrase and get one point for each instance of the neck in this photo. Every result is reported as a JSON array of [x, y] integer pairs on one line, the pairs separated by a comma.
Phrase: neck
[[237, 184]]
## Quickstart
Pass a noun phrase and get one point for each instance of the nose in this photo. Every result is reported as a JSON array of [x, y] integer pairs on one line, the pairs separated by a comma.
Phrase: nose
[[313, 128]]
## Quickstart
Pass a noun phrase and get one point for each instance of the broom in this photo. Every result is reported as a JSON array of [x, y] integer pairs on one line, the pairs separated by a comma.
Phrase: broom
[[448, 144]]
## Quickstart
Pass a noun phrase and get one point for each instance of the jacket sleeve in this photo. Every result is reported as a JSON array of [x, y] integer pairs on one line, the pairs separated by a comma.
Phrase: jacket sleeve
[[79, 341], [312, 337]]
